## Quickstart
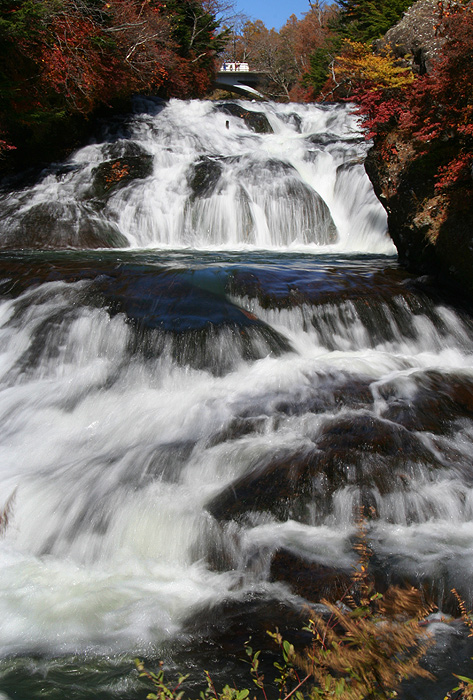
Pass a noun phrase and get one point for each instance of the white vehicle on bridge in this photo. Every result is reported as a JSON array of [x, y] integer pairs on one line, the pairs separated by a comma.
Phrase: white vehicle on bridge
[[235, 66]]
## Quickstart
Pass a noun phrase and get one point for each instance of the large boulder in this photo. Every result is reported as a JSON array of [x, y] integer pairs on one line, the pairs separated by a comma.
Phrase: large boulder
[[432, 231], [256, 121], [415, 38], [128, 164]]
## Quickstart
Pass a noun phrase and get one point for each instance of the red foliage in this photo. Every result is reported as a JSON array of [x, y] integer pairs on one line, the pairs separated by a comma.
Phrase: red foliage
[[437, 107], [63, 57], [5, 147], [87, 63]]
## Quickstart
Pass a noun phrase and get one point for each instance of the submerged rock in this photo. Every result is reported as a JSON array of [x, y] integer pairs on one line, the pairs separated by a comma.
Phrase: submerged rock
[[309, 579], [215, 349], [437, 405], [372, 457], [58, 225], [230, 624]]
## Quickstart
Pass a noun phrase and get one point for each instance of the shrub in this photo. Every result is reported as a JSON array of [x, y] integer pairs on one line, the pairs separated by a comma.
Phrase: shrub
[[362, 648]]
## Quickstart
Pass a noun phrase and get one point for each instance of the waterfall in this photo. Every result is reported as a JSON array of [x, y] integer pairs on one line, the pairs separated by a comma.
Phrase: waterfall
[[209, 360], [175, 176]]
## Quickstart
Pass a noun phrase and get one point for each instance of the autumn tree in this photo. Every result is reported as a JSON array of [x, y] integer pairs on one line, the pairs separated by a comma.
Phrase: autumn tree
[[360, 21], [283, 56], [432, 113], [440, 105], [359, 70], [64, 58], [305, 37]]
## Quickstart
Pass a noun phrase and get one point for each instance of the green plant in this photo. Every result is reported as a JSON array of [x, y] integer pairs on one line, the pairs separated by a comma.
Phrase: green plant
[[464, 690], [361, 649]]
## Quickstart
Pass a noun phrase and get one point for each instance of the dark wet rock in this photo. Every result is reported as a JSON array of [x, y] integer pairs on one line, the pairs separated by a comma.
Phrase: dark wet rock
[[231, 624], [294, 120], [66, 169], [277, 482], [438, 403], [237, 428], [359, 451], [406, 187], [164, 461], [62, 225], [95, 233], [385, 320], [111, 175], [309, 579], [325, 286], [415, 39], [349, 165], [332, 393], [203, 176], [326, 139], [256, 121], [354, 392], [254, 171], [365, 432], [123, 149], [215, 637], [364, 451], [432, 230], [217, 349]]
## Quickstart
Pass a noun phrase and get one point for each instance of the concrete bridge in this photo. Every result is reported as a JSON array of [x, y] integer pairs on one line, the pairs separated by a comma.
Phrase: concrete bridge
[[238, 78]]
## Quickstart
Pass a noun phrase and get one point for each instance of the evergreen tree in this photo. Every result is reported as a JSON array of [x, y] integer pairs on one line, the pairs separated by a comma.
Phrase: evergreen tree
[[365, 20], [357, 20]]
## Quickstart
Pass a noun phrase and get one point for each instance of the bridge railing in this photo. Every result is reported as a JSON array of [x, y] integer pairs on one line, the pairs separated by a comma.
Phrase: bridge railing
[[235, 66]]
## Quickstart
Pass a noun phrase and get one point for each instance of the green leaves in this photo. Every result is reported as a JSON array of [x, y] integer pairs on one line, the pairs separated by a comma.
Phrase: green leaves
[[365, 20]]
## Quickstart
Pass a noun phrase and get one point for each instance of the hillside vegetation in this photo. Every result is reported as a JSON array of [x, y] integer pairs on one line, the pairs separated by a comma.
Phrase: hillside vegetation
[[63, 59]]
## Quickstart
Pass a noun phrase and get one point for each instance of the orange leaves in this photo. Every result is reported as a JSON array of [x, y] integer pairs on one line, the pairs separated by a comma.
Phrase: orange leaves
[[357, 64]]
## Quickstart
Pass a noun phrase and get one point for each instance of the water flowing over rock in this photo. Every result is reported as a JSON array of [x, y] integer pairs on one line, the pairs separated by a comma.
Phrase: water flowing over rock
[[256, 121], [177, 176], [191, 420]]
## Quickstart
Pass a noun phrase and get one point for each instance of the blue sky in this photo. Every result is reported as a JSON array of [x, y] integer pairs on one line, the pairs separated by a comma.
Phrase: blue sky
[[273, 13]]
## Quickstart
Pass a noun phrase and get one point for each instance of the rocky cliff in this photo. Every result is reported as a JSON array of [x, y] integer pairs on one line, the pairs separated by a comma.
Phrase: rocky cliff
[[415, 37], [433, 233], [431, 228]]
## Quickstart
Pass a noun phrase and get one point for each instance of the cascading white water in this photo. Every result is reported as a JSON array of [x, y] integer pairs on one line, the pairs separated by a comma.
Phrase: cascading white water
[[303, 185], [152, 402]]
